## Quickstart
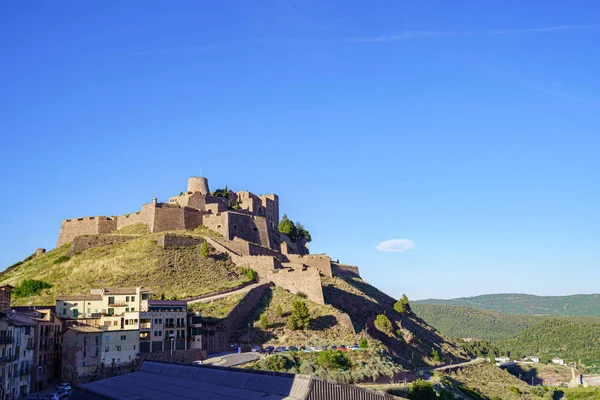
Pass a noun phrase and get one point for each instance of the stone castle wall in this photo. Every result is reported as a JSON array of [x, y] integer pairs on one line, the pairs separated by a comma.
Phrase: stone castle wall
[[306, 280], [341, 269], [84, 242], [167, 241], [321, 262], [70, 228], [128, 219]]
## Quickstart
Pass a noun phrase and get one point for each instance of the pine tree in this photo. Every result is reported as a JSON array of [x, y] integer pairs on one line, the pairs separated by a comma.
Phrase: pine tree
[[300, 317]]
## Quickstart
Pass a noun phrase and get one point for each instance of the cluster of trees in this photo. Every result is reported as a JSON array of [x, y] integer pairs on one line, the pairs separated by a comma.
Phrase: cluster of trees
[[30, 287], [295, 231]]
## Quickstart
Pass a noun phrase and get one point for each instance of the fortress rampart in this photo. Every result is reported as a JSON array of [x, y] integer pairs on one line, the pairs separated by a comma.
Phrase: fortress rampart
[[85, 242], [72, 228]]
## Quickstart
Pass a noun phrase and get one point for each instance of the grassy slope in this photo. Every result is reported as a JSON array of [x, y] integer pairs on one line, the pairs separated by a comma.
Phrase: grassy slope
[[324, 328], [558, 338], [364, 302], [489, 381], [218, 308], [140, 262], [525, 304]]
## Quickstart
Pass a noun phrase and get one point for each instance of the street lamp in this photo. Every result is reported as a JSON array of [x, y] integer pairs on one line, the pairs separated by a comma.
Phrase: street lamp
[[248, 335], [172, 342]]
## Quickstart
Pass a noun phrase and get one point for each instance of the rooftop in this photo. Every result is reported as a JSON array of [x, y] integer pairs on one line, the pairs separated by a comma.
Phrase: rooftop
[[79, 297], [170, 382]]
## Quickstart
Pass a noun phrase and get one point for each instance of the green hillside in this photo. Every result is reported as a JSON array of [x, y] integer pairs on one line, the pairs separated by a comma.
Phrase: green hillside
[[179, 272], [526, 304], [466, 322], [570, 340]]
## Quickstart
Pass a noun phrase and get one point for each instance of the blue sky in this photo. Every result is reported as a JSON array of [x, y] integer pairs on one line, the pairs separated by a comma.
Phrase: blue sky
[[468, 129]]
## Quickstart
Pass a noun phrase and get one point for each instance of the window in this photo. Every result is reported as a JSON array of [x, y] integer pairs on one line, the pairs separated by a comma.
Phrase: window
[[64, 311], [89, 310], [107, 339], [127, 299], [132, 308], [106, 349], [75, 313], [111, 311], [118, 348], [127, 309], [132, 298], [111, 300], [123, 337]]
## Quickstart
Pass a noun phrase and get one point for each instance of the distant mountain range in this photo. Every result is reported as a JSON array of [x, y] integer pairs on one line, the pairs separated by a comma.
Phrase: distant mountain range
[[527, 304]]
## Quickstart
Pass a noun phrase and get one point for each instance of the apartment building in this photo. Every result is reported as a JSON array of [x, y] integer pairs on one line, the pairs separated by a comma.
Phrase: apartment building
[[163, 325], [102, 302], [81, 355], [115, 312], [17, 345], [5, 296]]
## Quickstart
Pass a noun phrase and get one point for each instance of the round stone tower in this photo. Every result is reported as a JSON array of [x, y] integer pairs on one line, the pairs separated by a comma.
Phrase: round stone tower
[[198, 184]]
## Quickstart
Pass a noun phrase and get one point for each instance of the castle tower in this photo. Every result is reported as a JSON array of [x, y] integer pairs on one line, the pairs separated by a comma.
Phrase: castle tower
[[198, 184]]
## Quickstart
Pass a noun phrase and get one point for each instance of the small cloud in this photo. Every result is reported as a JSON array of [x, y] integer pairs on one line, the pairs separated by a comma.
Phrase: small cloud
[[396, 245]]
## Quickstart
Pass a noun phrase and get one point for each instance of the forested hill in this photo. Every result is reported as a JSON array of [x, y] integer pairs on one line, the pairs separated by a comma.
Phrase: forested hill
[[526, 304], [557, 337], [465, 322]]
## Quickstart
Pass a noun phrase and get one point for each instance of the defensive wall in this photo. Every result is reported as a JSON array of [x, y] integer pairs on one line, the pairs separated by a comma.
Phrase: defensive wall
[[166, 241], [85, 242], [218, 335], [70, 228], [338, 269]]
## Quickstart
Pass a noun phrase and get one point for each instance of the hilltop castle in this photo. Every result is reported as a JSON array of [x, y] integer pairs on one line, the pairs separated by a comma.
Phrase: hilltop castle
[[242, 215]]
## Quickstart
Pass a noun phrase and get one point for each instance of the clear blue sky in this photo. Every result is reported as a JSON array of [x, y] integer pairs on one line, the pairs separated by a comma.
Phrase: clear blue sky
[[470, 128]]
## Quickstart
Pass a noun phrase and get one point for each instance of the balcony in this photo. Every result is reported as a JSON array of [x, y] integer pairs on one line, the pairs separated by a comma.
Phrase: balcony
[[169, 325], [7, 359], [145, 327], [6, 339], [24, 371]]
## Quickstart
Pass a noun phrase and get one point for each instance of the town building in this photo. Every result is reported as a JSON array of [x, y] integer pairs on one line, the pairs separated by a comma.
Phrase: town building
[[5, 296], [163, 325], [81, 353], [115, 312]]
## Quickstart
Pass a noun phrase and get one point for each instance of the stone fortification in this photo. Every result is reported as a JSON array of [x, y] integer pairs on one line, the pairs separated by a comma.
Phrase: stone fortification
[[241, 215], [85, 242]]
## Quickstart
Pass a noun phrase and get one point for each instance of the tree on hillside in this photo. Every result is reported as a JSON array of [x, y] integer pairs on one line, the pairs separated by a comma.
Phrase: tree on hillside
[[30, 287], [204, 249], [279, 310], [402, 306], [421, 390], [383, 323], [263, 321], [300, 317]]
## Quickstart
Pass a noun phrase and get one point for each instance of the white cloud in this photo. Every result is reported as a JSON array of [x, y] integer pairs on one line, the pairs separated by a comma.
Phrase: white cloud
[[396, 245]]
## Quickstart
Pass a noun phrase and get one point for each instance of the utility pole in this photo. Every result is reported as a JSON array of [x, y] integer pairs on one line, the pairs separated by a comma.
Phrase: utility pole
[[248, 334]]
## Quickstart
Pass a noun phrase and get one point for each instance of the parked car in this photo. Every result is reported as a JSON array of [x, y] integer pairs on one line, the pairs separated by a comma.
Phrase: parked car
[[269, 349], [354, 347], [307, 350], [333, 347], [324, 348], [257, 349], [280, 349], [293, 348], [302, 348], [315, 348], [65, 386], [197, 362], [343, 348]]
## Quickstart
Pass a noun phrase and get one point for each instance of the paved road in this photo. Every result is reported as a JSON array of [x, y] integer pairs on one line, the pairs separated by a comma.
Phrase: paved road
[[231, 360], [245, 289]]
